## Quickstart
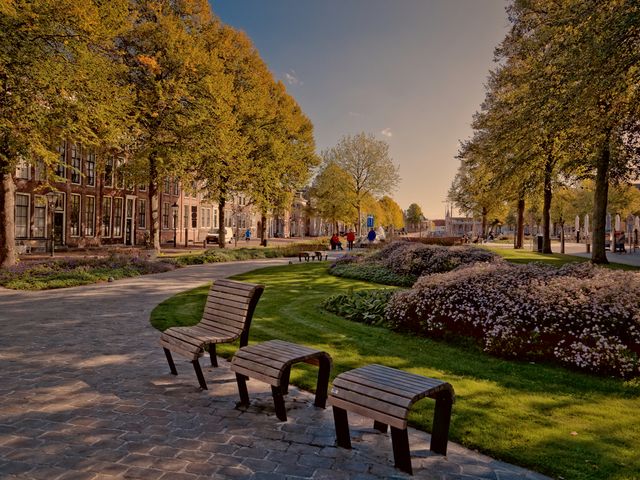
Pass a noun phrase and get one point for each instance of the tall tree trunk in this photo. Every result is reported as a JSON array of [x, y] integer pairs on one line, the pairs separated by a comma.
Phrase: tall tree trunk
[[155, 204], [484, 222], [520, 231], [359, 229], [263, 229], [546, 206], [7, 220], [600, 197], [221, 228]]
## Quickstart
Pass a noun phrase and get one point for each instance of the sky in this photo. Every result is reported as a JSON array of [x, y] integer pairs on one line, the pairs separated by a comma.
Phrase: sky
[[411, 72]]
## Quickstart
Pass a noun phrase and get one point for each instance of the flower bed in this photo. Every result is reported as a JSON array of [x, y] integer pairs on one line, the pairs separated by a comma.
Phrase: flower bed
[[401, 263], [580, 315], [77, 271]]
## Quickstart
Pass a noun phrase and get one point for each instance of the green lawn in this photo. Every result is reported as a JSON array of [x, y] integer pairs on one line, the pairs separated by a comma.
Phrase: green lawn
[[522, 413], [556, 259]]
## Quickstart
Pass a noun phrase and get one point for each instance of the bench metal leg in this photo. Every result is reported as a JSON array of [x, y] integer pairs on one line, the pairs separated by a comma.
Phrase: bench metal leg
[[401, 453], [172, 365], [322, 385], [284, 380], [212, 354], [242, 389], [441, 422], [381, 427], [341, 421], [196, 367], [278, 402]]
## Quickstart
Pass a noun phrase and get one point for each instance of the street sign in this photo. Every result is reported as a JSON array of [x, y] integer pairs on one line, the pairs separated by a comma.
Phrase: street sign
[[369, 221]]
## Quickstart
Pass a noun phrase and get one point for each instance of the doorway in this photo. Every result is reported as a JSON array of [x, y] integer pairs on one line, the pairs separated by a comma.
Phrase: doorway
[[58, 228]]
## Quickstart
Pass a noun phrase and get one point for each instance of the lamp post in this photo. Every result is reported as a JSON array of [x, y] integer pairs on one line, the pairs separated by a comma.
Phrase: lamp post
[[174, 208], [52, 202]]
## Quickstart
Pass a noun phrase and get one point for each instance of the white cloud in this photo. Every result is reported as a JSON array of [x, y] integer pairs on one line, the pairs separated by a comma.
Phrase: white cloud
[[387, 132], [292, 78]]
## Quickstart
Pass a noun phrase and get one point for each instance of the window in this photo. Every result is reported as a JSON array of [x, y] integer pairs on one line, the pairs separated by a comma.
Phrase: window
[[215, 218], [89, 216], [167, 185], [22, 215], [106, 217], [194, 217], [142, 213], [120, 173], [185, 218], [165, 214], [76, 163], [206, 217], [39, 216], [176, 187], [23, 169], [74, 220], [91, 169], [108, 172], [142, 188], [61, 169], [39, 171], [117, 217]]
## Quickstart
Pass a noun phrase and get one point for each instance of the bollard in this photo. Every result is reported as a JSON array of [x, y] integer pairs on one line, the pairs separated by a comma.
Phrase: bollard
[[588, 248]]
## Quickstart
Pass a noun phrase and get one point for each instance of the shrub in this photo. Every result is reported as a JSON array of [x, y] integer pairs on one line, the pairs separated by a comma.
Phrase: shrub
[[77, 271], [580, 315], [371, 272], [366, 306], [215, 255]]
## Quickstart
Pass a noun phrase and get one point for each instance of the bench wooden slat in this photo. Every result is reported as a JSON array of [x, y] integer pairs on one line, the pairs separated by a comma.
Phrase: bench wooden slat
[[223, 282], [390, 384], [366, 412], [219, 328], [281, 352], [399, 375], [226, 316], [245, 357], [372, 402], [342, 384], [266, 370], [268, 379]]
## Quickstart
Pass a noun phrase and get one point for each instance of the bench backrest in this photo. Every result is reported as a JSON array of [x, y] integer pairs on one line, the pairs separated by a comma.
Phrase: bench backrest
[[230, 306]]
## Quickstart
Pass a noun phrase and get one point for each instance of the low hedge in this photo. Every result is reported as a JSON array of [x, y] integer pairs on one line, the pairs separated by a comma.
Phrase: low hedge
[[215, 255]]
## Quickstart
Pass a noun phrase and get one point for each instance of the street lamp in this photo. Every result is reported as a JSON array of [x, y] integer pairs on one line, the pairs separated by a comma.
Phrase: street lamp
[[52, 202], [174, 208]]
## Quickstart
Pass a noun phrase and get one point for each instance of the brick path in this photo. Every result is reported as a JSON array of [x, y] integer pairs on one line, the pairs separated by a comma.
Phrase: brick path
[[86, 394]]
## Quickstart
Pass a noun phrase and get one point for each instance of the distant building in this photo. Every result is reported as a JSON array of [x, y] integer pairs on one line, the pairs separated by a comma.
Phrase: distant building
[[460, 226]]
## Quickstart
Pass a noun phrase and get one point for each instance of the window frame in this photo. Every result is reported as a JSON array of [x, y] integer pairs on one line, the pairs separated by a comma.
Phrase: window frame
[[75, 214], [27, 217]]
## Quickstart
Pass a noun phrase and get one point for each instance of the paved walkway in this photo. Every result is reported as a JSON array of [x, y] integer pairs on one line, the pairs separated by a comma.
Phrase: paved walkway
[[86, 394]]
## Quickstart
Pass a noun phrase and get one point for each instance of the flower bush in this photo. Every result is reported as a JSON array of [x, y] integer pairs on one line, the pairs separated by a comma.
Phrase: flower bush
[[77, 271], [402, 263], [580, 315]]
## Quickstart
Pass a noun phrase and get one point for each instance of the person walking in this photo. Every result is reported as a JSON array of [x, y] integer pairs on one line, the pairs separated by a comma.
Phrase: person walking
[[247, 234], [351, 237], [371, 236]]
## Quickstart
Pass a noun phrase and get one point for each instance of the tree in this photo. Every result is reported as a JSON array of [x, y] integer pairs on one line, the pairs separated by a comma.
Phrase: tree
[[167, 60], [367, 161], [391, 213], [414, 215], [333, 194], [58, 79]]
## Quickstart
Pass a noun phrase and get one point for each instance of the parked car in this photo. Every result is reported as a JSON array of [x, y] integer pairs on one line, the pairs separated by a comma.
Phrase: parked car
[[212, 237]]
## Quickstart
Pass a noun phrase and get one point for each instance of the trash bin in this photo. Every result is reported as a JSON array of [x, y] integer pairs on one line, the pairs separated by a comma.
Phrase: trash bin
[[540, 241]]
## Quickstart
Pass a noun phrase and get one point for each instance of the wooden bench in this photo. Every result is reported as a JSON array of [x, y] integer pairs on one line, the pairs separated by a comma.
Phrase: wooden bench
[[386, 395], [318, 255], [271, 362], [226, 317], [305, 255]]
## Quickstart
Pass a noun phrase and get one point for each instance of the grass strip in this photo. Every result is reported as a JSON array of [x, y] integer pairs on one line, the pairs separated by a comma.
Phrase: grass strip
[[553, 420]]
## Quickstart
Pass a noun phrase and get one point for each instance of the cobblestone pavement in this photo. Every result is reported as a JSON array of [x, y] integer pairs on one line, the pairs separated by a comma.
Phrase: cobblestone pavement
[[86, 394]]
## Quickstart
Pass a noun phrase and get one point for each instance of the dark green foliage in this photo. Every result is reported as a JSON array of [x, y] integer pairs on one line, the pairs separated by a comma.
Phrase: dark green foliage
[[367, 306], [215, 255], [372, 272]]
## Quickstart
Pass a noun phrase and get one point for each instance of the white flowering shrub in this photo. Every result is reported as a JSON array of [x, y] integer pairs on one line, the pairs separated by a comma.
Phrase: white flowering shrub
[[409, 258], [580, 315]]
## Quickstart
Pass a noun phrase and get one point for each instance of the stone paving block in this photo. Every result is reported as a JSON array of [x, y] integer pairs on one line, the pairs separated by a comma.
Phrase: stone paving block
[[101, 402]]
